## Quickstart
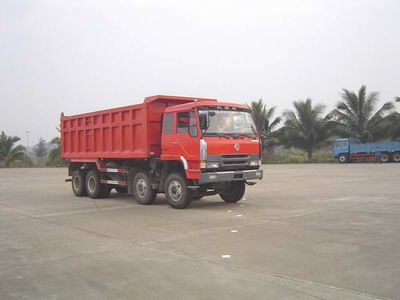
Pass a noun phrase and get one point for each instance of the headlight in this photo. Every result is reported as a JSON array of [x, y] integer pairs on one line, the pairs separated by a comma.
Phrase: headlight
[[255, 163], [212, 165]]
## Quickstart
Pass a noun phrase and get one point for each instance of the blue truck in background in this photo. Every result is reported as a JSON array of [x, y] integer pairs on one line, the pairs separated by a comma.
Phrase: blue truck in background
[[351, 149]]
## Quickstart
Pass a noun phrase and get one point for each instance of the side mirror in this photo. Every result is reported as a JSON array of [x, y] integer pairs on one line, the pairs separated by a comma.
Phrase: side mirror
[[203, 121]]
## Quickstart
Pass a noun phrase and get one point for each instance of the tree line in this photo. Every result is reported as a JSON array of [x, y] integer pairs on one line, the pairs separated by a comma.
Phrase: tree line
[[306, 127], [42, 154]]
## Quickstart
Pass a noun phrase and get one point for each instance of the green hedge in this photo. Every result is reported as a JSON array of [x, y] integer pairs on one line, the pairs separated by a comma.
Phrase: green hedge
[[298, 157]]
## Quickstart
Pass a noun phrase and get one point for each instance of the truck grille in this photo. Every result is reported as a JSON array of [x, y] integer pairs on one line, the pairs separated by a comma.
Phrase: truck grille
[[235, 160], [232, 162]]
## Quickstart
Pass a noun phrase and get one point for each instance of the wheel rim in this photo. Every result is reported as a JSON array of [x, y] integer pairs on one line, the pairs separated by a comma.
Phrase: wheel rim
[[342, 158], [396, 157], [91, 184], [76, 183], [384, 158], [141, 187], [175, 190]]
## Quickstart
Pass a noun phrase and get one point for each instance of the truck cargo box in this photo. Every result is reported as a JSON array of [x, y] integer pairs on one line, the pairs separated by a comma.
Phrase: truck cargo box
[[125, 132]]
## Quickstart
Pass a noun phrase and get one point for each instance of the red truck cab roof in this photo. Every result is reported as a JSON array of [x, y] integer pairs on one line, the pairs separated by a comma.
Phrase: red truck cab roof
[[204, 102]]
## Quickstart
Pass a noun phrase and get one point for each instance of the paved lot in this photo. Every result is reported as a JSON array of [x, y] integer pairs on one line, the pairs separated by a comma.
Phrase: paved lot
[[304, 232]]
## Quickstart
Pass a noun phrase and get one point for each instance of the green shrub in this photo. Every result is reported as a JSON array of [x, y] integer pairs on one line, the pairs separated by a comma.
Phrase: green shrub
[[299, 157]]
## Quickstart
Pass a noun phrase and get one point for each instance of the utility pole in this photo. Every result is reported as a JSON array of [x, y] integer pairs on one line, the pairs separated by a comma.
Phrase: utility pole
[[27, 142]]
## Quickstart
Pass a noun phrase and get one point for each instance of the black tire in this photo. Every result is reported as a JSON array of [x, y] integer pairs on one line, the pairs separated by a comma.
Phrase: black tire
[[106, 191], [95, 189], [234, 193], [176, 191], [396, 157], [79, 183], [142, 189], [343, 158], [385, 157], [121, 190]]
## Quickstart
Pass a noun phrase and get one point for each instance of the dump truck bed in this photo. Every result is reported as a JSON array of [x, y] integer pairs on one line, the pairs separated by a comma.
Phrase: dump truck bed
[[132, 131]]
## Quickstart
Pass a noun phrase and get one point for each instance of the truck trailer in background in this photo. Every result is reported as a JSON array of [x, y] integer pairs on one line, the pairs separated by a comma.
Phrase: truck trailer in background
[[183, 147], [351, 149]]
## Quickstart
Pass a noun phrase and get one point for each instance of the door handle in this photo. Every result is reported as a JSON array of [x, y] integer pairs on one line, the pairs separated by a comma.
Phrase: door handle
[[174, 143]]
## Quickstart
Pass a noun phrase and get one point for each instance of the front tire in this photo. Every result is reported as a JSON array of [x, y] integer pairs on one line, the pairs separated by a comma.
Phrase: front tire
[[142, 189], [79, 183], [343, 158], [94, 187], [176, 191], [234, 193]]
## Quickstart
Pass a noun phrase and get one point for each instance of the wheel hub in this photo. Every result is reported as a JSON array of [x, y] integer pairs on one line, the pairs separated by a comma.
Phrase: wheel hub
[[77, 183], [141, 187], [175, 190], [91, 185]]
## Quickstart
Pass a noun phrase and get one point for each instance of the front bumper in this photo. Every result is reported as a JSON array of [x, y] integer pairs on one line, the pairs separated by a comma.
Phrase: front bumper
[[230, 176]]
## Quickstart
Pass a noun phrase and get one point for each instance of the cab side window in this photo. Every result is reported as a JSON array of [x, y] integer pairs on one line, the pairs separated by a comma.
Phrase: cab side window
[[186, 123], [168, 121]]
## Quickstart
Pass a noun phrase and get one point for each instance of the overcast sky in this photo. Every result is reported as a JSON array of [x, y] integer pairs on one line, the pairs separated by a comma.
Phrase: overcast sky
[[82, 55]]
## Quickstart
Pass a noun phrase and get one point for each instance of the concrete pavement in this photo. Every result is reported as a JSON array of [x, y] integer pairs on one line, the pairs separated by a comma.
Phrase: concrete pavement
[[306, 231]]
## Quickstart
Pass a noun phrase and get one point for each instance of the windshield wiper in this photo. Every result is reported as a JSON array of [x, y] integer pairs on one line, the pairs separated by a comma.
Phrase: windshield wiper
[[227, 136], [245, 135]]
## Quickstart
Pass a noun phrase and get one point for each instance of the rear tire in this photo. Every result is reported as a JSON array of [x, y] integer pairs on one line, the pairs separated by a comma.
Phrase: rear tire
[[385, 157], [234, 193], [142, 189], [79, 183], [396, 157], [343, 158], [94, 187], [176, 191]]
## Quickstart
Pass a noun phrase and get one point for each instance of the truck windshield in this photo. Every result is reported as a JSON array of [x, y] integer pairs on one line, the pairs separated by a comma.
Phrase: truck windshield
[[220, 122], [341, 143]]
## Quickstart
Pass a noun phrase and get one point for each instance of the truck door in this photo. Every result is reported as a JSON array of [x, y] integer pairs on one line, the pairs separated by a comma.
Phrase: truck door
[[187, 136], [341, 147], [167, 136]]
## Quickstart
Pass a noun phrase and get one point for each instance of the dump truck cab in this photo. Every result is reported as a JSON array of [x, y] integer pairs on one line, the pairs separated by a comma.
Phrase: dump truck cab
[[341, 149], [215, 141]]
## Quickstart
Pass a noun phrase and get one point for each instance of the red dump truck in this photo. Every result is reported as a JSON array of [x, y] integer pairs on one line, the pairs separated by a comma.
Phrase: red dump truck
[[183, 147]]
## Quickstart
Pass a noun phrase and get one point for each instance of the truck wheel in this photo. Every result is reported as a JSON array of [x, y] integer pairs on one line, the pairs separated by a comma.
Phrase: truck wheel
[[176, 191], [396, 157], [385, 157], [234, 193], [94, 187], [342, 158], [78, 183], [142, 190]]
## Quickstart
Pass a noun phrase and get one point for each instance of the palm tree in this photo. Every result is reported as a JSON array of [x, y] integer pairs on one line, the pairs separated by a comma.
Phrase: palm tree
[[265, 123], [9, 152], [394, 123], [356, 118], [55, 152], [40, 149], [306, 128]]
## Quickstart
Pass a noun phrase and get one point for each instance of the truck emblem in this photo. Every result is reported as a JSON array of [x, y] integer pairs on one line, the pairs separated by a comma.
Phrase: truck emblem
[[236, 147]]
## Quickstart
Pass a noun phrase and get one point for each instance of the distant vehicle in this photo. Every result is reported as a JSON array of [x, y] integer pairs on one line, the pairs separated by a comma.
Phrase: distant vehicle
[[350, 149], [184, 147]]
